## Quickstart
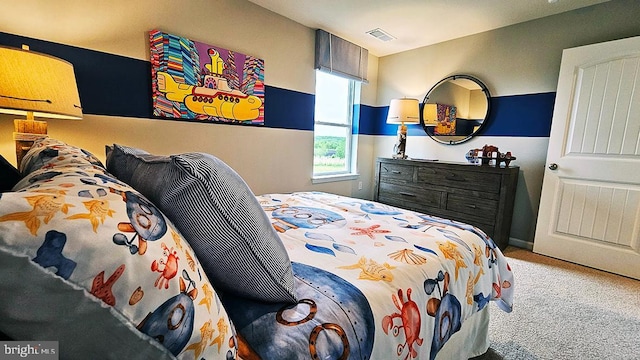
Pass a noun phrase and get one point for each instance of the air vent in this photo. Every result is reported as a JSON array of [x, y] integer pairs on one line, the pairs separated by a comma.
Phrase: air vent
[[380, 34]]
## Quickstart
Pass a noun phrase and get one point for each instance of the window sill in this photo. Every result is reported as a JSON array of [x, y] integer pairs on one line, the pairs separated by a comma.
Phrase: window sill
[[333, 178]]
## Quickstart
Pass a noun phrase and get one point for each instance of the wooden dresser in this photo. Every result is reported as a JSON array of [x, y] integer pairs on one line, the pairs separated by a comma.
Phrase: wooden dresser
[[482, 196]]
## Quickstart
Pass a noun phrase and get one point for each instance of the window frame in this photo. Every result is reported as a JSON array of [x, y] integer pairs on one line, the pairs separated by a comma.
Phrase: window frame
[[350, 171]]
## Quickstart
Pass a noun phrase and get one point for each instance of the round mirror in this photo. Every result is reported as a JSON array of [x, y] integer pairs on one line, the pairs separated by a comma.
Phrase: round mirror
[[455, 109]]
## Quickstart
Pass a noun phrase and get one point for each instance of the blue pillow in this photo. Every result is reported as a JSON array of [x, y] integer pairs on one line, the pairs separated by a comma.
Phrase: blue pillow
[[218, 215]]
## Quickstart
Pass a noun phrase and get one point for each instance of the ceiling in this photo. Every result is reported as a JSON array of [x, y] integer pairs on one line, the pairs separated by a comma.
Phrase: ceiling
[[414, 23]]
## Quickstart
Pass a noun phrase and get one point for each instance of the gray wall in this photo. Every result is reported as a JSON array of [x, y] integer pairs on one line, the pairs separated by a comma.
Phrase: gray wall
[[514, 60], [270, 160], [520, 59]]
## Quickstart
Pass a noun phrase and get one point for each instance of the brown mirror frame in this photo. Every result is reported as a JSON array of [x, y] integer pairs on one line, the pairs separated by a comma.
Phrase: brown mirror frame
[[438, 114]]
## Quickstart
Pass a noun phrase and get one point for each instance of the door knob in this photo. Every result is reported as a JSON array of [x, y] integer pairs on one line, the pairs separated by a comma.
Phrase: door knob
[[553, 166]]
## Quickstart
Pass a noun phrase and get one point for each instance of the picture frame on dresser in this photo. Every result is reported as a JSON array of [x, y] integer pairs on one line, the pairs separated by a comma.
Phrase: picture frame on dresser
[[478, 195]]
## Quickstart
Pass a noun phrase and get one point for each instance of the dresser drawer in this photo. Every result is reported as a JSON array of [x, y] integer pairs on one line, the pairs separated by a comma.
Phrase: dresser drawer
[[401, 195], [403, 173], [479, 208], [482, 196], [459, 178]]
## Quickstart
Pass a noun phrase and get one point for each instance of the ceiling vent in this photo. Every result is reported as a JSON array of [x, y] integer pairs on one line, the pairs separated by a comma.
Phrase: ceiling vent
[[380, 34]]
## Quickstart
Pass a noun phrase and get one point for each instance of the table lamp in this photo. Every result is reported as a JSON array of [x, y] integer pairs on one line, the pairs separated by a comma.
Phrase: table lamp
[[36, 85], [402, 111]]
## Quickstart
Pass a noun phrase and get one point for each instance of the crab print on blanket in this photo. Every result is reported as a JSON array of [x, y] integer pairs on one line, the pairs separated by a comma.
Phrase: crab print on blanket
[[410, 319], [421, 275]]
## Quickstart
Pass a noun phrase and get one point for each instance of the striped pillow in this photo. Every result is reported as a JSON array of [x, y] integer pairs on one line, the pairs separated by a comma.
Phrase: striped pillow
[[218, 215]]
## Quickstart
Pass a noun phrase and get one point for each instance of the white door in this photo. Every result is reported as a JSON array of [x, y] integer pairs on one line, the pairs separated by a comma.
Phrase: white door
[[590, 206]]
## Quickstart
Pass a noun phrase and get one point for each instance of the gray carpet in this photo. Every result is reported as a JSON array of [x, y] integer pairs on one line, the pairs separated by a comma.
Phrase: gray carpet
[[565, 311]]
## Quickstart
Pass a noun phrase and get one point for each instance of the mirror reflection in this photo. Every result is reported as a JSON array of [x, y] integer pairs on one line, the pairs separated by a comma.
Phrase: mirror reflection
[[455, 109]]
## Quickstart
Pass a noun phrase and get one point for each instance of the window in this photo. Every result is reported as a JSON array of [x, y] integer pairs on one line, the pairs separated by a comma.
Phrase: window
[[334, 145]]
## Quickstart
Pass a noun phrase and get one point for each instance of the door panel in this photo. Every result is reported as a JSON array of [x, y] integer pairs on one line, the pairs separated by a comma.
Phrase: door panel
[[606, 101], [590, 204], [598, 212]]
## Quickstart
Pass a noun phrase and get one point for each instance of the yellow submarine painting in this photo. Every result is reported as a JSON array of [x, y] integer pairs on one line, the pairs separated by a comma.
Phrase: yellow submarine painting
[[195, 81]]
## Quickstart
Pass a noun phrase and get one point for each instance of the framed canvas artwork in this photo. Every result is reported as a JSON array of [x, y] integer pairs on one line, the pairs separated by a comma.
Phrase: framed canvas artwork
[[195, 81]]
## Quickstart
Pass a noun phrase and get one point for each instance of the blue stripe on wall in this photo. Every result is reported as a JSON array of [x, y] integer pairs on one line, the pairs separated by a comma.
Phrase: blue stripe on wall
[[120, 86], [288, 109], [371, 119], [108, 84], [517, 115], [521, 115]]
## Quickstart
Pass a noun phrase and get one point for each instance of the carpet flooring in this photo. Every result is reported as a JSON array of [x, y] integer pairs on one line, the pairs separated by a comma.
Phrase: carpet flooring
[[565, 311]]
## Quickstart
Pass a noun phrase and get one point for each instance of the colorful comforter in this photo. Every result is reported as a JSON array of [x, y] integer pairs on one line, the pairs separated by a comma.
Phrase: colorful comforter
[[373, 281]]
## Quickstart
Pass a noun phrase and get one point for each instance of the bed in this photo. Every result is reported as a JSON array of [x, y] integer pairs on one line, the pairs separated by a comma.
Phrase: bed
[[157, 257]]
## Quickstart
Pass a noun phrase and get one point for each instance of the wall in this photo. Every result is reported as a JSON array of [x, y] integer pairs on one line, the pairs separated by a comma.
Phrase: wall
[[519, 64], [270, 159]]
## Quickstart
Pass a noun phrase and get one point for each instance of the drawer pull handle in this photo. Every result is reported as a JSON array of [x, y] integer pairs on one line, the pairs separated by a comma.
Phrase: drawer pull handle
[[406, 194], [396, 172], [454, 177], [472, 206]]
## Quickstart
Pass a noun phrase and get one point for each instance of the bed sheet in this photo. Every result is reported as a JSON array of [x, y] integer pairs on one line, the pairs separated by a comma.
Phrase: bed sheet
[[372, 281]]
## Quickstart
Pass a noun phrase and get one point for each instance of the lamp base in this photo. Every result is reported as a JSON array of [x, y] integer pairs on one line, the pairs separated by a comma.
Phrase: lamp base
[[401, 143], [26, 133]]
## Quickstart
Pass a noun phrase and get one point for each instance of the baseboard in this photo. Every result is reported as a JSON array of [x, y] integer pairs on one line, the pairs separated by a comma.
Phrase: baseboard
[[521, 243]]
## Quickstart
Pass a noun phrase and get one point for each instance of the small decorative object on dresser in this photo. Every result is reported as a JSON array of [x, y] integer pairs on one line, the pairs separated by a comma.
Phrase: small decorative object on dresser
[[482, 196], [489, 155]]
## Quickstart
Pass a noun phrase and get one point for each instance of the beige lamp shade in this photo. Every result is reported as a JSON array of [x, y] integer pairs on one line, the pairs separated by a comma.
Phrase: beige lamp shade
[[36, 83], [403, 111]]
